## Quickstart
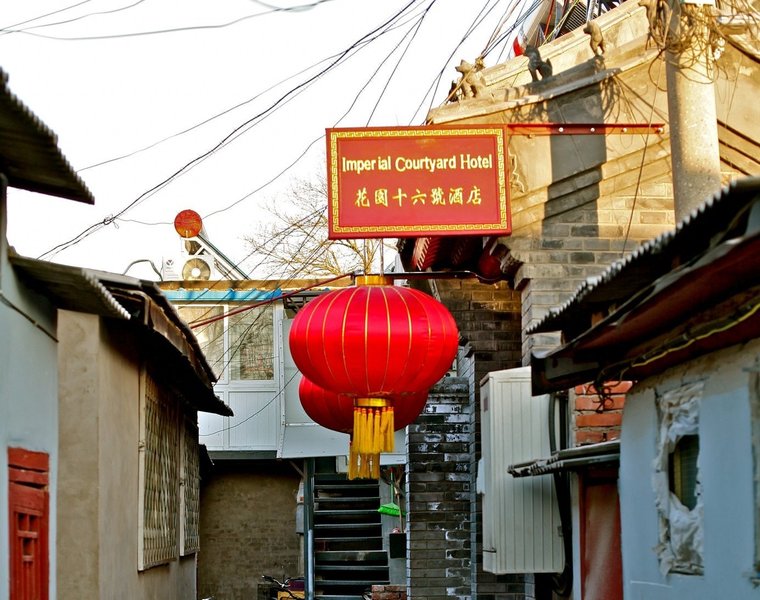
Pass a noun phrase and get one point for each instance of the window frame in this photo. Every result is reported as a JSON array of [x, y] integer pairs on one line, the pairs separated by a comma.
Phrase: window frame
[[225, 377], [168, 457]]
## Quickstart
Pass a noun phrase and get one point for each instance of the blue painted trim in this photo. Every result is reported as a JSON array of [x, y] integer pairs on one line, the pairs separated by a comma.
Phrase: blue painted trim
[[228, 295]]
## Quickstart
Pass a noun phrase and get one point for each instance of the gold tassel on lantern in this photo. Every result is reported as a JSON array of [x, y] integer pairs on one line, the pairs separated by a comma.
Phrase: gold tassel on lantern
[[372, 434]]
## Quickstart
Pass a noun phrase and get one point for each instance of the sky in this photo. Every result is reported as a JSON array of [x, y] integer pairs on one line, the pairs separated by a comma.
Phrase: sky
[[166, 105]]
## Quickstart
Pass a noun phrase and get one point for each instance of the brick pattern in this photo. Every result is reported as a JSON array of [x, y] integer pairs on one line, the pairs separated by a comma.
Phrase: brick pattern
[[598, 417], [248, 528], [439, 494], [587, 222], [488, 317], [583, 227]]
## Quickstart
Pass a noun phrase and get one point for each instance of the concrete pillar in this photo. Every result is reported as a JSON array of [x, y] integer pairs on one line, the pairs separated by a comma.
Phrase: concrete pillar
[[693, 121]]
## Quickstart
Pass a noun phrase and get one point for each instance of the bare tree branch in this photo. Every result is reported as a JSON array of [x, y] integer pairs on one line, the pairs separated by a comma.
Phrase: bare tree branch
[[292, 240]]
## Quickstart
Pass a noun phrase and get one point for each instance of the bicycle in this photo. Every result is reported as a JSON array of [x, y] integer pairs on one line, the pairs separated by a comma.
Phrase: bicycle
[[284, 586]]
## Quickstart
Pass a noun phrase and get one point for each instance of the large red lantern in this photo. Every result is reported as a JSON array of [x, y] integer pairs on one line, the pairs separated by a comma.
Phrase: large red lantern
[[336, 412], [377, 344]]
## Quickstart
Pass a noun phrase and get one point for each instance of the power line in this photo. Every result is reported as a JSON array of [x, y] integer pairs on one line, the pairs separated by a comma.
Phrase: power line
[[108, 220], [79, 18], [139, 33], [5, 30]]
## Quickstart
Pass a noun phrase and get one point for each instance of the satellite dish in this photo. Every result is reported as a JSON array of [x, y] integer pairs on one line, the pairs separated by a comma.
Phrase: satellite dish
[[196, 269]]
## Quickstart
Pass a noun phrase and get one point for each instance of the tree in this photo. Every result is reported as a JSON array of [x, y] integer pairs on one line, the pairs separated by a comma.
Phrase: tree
[[293, 241]]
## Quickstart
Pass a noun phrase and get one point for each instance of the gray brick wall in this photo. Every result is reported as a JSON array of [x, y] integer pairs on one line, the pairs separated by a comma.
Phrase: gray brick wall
[[584, 227], [562, 235], [438, 480]]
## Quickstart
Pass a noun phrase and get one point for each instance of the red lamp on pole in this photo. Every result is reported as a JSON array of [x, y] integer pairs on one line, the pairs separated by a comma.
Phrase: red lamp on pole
[[379, 345]]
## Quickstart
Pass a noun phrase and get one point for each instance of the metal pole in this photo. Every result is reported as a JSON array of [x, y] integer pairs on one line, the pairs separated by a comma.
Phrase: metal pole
[[308, 528]]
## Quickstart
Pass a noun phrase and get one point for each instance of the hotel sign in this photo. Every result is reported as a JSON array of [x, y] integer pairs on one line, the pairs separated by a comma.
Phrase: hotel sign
[[417, 182]]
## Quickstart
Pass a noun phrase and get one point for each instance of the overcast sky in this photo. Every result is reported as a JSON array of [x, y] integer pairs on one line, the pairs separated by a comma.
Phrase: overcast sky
[[207, 102]]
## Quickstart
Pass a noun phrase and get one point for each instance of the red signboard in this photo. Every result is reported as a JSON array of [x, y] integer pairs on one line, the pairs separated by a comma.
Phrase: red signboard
[[417, 181]]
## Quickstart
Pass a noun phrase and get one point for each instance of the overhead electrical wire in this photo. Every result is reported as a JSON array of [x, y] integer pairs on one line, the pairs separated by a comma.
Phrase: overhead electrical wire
[[437, 79], [298, 8], [303, 152], [398, 62], [235, 107], [96, 226], [28, 31], [6, 31]]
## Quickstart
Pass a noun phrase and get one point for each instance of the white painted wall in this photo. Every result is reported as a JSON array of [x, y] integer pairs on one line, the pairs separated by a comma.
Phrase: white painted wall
[[726, 473]]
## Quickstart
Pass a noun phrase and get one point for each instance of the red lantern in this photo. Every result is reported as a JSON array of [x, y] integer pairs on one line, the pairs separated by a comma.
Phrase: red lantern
[[377, 344], [329, 409], [336, 412]]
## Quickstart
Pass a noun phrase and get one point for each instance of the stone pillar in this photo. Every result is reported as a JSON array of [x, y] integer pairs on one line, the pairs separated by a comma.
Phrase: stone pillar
[[692, 115]]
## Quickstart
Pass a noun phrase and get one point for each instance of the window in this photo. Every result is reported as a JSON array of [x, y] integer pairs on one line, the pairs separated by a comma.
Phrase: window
[[248, 348], [251, 353], [29, 522], [676, 481], [210, 335], [190, 509], [683, 470], [169, 476]]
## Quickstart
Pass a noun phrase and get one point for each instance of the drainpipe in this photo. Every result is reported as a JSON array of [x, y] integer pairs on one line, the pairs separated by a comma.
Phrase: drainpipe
[[693, 120]]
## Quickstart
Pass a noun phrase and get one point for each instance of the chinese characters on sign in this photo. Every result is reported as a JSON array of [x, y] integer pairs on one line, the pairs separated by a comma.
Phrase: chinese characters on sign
[[403, 182]]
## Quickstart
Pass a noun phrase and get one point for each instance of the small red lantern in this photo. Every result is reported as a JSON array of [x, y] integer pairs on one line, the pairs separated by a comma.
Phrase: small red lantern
[[336, 412], [331, 410], [377, 344]]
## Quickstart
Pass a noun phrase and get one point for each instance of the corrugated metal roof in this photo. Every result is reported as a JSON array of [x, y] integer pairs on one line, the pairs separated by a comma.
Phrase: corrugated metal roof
[[148, 311], [570, 459], [29, 153], [228, 295], [74, 288], [684, 294]]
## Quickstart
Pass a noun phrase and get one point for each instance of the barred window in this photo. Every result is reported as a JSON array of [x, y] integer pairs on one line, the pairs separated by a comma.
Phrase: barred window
[[190, 487], [169, 476], [160, 475]]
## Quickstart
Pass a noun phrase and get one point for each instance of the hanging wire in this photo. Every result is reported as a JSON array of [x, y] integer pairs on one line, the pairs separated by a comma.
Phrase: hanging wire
[[340, 57]]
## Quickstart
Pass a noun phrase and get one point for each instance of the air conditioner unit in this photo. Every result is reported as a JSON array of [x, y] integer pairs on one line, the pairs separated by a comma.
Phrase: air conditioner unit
[[521, 523], [199, 267]]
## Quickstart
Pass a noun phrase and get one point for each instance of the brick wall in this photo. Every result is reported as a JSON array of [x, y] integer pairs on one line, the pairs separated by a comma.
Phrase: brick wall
[[596, 417], [584, 226], [247, 527], [586, 221], [438, 480], [488, 317]]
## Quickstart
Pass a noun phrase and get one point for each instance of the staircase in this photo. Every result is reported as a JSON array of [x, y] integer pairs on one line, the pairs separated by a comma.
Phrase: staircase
[[348, 542]]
